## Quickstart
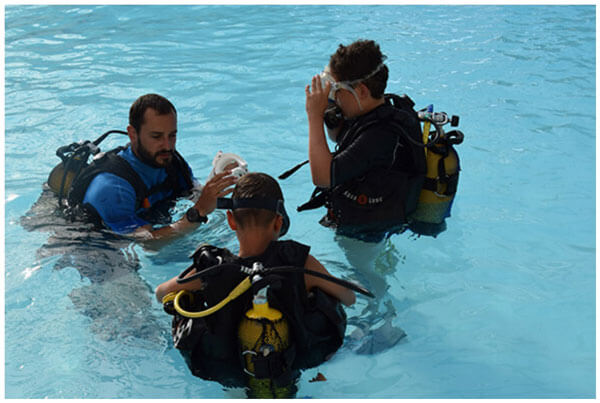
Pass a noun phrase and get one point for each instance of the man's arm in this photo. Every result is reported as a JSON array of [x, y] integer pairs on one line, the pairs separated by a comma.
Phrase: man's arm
[[218, 186]]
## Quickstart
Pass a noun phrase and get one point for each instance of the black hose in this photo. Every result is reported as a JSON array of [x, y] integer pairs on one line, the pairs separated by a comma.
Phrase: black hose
[[293, 170], [105, 135], [78, 149], [339, 281], [181, 279]]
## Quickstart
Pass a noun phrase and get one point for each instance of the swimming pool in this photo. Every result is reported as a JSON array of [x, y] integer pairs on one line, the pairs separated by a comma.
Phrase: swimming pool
[[501, 305]]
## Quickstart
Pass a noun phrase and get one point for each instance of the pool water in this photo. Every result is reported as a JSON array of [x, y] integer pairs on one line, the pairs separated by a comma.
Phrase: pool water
[[500, 305]]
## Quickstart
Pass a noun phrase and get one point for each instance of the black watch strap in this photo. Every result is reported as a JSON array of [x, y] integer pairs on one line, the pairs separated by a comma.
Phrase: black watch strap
[[193, 215]]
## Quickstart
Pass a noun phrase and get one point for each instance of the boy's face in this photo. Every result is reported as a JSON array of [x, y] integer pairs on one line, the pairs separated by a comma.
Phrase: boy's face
[[348, 101]]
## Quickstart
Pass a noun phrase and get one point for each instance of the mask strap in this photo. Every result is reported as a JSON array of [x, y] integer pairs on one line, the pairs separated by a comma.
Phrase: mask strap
[[274, 205], [359, 80], [356, 97]]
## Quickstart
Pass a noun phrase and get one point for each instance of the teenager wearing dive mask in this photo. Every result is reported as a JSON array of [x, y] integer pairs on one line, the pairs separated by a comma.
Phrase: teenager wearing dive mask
[[371, 182]]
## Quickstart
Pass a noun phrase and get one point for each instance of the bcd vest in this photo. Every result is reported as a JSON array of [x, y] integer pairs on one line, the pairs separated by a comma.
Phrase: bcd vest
[[385, 196], [210, 345], [178, 181]]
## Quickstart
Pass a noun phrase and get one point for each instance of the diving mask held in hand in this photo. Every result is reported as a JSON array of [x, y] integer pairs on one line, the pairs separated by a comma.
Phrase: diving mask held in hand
[[222, 160]]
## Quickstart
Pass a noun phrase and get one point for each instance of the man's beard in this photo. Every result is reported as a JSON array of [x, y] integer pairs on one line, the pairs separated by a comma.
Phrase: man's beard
[[150, 159]]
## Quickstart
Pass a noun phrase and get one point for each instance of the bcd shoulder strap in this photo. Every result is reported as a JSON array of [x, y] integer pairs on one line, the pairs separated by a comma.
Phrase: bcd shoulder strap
[[109, 162]]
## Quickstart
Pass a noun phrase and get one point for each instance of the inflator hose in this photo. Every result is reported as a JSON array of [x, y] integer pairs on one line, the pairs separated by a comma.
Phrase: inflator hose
[[236, 292], [246, 284]]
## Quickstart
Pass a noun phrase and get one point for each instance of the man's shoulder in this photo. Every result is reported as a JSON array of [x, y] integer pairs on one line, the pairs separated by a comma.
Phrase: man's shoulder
[[106, 184], [107, 179]]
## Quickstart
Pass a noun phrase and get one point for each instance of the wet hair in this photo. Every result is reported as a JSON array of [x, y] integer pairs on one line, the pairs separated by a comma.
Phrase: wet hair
[[255, 185], [357, 60], [160, 104]]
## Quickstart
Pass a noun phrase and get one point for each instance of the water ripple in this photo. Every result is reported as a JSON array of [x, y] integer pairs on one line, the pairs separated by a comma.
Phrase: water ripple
[[521, 78]]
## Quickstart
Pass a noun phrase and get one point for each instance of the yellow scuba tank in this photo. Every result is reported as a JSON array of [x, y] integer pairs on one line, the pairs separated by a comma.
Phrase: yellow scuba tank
[[441, 179], [435, 200], [262, 331]]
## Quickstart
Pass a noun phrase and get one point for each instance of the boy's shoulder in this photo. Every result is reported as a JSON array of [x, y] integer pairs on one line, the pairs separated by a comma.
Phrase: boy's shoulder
[[293, 245], [287, 252]]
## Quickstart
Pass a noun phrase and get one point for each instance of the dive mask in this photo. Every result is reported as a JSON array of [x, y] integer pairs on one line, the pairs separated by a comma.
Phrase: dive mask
[[326, 77], [275, 205], [222, 159]]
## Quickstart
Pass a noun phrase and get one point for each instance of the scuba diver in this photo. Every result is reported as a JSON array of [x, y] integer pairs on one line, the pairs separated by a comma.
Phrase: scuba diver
[[385, 168], [130, 189], [291, 320], [385, 175], [122, 193]]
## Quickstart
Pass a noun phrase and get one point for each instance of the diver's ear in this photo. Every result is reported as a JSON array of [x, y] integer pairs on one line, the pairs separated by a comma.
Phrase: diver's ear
[[132, 133], [277, 224], [231, 221], [363, 91]]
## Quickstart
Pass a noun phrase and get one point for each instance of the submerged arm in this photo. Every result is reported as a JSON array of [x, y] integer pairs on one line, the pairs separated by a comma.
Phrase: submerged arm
[[342, 293]]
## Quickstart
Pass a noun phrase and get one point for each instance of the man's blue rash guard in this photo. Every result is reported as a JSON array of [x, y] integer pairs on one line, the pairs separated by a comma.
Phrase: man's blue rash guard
[[114, 198]]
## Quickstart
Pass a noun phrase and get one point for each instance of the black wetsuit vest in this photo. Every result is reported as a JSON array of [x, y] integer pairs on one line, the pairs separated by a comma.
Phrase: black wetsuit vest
[[210, 345], [178, 180], [383, 198]]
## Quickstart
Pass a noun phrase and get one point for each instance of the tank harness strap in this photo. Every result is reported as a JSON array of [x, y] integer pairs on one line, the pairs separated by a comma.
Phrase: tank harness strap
[[124, 170], [451, 181], [110, 162], [274, 365]]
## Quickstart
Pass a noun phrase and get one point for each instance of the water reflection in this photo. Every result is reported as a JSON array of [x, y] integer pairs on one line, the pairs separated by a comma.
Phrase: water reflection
[[370, 263], [117, 300]]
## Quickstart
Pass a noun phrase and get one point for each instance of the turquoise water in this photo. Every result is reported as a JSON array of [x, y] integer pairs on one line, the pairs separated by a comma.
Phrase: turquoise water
[[501, 305]]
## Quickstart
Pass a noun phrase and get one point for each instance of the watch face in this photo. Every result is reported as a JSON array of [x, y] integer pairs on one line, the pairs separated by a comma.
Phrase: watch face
[[192, 215]]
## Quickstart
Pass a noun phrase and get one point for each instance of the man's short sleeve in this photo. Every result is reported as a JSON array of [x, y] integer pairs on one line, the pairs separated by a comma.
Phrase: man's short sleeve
[[114, 200]]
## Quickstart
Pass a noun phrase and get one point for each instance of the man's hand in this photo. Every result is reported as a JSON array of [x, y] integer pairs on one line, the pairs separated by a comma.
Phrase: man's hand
[[316, 101], [216, 187]]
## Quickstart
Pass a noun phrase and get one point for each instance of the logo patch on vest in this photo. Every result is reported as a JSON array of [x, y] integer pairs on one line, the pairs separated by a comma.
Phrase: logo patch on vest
[[362, 199]]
